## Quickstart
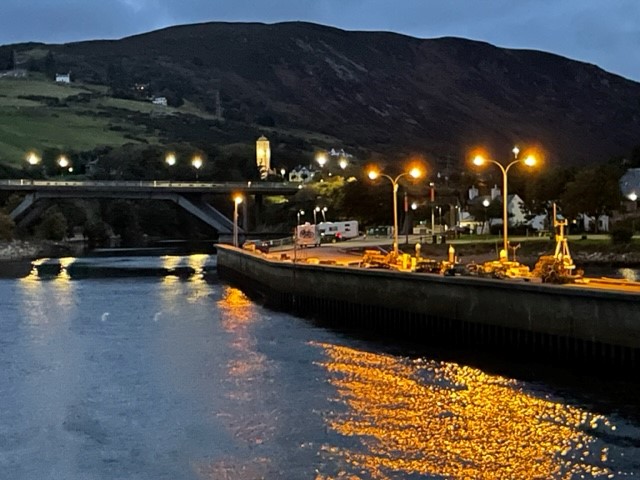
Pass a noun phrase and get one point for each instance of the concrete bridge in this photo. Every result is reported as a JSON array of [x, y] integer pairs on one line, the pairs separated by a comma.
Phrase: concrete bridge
[[188, 195]]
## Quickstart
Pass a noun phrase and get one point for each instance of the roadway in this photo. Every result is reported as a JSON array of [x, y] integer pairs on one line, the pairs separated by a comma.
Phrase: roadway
[[250, 187]]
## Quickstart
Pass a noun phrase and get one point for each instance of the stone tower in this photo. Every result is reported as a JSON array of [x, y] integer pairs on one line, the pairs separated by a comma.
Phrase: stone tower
[[263, 156]]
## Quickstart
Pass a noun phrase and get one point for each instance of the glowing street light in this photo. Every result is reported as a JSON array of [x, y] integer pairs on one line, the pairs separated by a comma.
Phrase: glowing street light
[[33, 158], [343, 163], [529, 161], [414, 173], [324, 211], [321, 158], [299, 214], [485, 204], [64, 164], [633, 196], [197, 164], [315, 213], [170, 159], [237, 200]]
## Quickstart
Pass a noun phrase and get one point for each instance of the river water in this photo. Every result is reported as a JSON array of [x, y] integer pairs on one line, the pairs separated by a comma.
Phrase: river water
[[167, 378]]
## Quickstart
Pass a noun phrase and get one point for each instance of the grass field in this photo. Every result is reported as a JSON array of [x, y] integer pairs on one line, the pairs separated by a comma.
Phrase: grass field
[[50, 117]]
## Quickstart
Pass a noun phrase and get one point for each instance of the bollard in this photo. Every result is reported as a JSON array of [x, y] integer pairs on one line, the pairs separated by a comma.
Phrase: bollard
[[405, 261]]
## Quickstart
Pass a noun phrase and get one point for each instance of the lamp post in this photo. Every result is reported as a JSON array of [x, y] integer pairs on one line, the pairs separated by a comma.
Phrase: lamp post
[[237, 200], [315, 214], [415, 173], [324, 211], [299, 214], [486, 204], [197, 164], [33, 159], [530, 161], [321, 158], [432, 197], [63, 163], [170, 159]]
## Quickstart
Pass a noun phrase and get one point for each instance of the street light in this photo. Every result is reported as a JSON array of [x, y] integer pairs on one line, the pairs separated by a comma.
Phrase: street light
[[33, 158], [237, 200], [197, 164], [63, 163], [415, 173], [530, 161], [315, 213], [486, 204], [343, 163], [170, 159], [324, 211], [299, 214], [321, 158]]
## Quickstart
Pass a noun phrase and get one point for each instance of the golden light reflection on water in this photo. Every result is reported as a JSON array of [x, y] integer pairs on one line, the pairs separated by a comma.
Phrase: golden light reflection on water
[[248, 419], [237, 314], [431, 418]]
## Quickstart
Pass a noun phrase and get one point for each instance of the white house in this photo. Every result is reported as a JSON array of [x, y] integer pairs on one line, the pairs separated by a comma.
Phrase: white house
[[159, 101], [63, 77], [301, 174], [590, 223]]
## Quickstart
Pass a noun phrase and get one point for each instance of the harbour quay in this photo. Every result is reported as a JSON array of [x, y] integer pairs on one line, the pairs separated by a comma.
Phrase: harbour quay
[[573, 324]]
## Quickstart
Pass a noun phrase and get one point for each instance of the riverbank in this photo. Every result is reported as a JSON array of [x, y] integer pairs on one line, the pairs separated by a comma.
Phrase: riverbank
[[21, 250]]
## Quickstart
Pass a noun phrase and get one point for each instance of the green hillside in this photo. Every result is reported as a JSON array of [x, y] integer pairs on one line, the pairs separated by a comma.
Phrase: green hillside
[[38, 114]]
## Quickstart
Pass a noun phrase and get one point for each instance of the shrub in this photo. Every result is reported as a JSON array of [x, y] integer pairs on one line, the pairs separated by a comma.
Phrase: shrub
[[6, 227], [621, 233]]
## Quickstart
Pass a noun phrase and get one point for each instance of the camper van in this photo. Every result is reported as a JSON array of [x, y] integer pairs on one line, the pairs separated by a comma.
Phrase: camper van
[[307, 235], [339, 230]]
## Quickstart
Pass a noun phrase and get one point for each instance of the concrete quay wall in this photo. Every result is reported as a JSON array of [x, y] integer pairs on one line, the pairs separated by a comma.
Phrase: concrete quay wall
[[565, 321]]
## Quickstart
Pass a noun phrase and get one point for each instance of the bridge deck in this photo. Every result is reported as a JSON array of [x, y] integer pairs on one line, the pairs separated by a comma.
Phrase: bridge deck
[[257, 187]]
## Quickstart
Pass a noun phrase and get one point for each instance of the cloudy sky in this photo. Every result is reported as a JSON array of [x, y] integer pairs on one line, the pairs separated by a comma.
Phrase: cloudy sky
[[603, 32]]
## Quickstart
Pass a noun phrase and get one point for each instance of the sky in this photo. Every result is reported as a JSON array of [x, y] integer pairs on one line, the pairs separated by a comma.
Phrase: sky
[[603, 32]]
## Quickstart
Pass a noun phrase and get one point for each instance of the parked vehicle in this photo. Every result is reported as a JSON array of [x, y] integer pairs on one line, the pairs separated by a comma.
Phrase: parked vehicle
[[339, 230], [307, 235]]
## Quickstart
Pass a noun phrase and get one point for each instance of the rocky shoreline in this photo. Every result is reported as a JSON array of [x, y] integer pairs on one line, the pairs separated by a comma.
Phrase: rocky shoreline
[[21, 250]]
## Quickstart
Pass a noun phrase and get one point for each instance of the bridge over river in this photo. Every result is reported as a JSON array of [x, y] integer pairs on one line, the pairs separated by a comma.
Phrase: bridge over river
[[188, 195]]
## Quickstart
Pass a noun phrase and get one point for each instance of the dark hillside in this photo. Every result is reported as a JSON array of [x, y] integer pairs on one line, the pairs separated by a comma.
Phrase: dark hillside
[[379, 91]]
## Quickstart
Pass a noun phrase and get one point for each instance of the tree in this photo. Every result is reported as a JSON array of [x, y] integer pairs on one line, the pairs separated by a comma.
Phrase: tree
[[53, 226], [7, 227], [123, 216], [593, 191], [97, 233]]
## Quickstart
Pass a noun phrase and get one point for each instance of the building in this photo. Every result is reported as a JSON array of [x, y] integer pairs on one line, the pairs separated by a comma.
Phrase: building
[[159, 101], [301, 174], [263, 157], [63, 77]]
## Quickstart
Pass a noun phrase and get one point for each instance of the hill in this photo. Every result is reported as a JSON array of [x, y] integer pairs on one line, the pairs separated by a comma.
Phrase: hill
[[323, 87]]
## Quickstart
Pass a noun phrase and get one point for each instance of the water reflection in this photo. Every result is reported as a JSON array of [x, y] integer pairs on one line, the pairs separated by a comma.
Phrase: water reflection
[[247, 418], [443, 419]]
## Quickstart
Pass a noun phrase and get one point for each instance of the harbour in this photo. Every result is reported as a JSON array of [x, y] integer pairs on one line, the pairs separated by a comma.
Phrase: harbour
[[576, 323], [188, 378]]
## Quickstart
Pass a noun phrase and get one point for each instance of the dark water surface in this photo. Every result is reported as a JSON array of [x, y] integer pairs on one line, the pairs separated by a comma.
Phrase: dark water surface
[[163, 378]]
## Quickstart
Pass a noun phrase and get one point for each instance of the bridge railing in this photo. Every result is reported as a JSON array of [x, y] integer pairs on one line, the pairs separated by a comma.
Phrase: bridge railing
[[169, 184]]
